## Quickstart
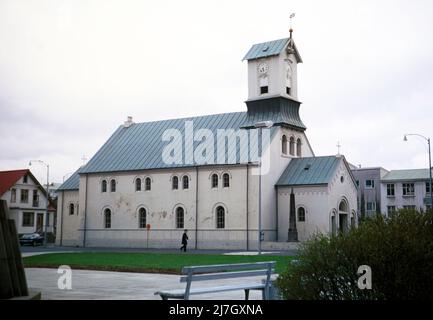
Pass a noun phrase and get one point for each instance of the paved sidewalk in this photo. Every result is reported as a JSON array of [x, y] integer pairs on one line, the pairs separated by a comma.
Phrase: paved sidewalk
[[103, 285]]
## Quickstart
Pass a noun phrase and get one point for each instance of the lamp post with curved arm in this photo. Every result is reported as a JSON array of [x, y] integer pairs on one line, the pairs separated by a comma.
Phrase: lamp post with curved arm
[[429, 163], [48, 197]]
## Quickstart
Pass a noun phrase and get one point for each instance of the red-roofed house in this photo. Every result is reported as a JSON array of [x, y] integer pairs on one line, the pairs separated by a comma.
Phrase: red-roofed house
[[26, 199]]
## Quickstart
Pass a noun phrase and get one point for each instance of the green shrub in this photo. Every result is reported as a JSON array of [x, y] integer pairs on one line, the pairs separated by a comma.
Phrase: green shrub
[[399, 251]]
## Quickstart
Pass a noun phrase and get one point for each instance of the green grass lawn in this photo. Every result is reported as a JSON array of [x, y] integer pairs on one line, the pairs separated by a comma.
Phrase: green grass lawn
[[143, 262]]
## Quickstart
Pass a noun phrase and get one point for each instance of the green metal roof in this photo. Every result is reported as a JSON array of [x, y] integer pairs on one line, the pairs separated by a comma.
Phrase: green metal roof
[[266, 49], [309, 171], [407, 175], [140, 146], [72, 183]]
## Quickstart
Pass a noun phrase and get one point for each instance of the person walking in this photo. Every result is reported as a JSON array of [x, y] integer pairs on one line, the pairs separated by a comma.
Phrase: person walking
[[184, 241]]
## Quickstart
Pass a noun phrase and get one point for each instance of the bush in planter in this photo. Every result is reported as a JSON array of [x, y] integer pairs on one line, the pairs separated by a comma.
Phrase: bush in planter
[[399, 251]]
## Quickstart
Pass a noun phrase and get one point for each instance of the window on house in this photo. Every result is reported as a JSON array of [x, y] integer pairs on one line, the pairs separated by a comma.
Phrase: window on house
[[369, 184], [107, 218], [142, 218], [185, 182], [220, 218], [226, 180], [390, 210], [175, 183], [104, 186], [28, 219], [427, 187], [138, 184], [371, 206], [214, 180], [25, 179], [301, 214], [390, 190], [13, 195], [71, 209], [298, 148], [284, 144], [35, 198], [113, 185], [264, 89], [180, 218], [408, 189], [292, 146], [148, 183], [24, 196]]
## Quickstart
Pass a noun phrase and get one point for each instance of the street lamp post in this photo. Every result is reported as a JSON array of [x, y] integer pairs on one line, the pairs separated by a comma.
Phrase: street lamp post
[[429, 162], [260, 125], [48, 198]]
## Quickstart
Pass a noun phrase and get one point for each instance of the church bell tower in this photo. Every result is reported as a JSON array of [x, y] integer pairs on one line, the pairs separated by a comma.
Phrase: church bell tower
[[273, 82], [272, 69]]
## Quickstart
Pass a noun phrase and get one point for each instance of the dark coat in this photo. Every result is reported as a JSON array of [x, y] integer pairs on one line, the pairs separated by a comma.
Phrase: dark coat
[[184, 238]]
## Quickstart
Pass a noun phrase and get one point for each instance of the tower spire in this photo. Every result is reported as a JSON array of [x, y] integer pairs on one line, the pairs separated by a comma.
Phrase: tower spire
[[292, 15]]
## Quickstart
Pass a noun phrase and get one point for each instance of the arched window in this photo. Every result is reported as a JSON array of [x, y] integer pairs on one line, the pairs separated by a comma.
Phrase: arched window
[[292, 146], [138, 184], [214, 180], [113, 185], [148, 184], [185, 182], [175, 183], [301, 214], [104, 186], [284, 144], [142, 218], [71, 209], [298, 147], [180, 218], [342, 206], [226, 180], [107, 218], [220, 218]]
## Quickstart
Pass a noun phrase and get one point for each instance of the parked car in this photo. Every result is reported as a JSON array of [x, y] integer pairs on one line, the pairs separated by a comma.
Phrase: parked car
[[31, 238]]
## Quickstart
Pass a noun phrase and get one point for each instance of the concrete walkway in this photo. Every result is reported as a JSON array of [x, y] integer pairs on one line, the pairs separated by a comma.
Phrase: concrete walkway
[[103, 285]]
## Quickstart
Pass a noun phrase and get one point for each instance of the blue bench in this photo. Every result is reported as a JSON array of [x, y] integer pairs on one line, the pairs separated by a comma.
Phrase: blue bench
[[223, 271]]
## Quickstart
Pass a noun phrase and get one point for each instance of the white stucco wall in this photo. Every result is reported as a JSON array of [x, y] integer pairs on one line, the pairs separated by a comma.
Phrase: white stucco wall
[[68, 225], [318, 202]]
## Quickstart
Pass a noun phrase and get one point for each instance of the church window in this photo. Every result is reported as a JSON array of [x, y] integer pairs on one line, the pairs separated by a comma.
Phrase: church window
[[264, 90], [104, 186], [292, 146], [142, 218], [214, 180], [107, 218], [284, 144], [71, 209], [138, 184], [226, 180], [148, 184], [113, 185], [288, 90], [299, 147], [175, 183], [220, 218], [180, 219], [301, 214], [185, 182]]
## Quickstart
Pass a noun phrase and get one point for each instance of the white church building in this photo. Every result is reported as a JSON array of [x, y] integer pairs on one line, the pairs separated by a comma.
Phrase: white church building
[[152, 180]]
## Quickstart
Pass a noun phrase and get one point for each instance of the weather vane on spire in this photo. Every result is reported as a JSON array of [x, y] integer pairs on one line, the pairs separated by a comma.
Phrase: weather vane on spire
[[292, 15]]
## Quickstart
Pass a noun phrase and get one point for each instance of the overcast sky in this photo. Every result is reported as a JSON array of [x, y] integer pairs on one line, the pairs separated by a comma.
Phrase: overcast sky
[[72, 71]]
